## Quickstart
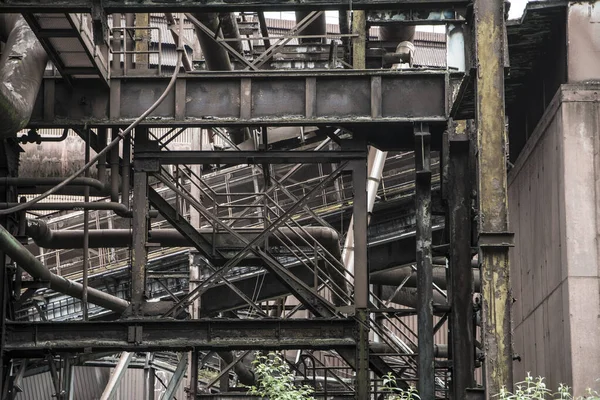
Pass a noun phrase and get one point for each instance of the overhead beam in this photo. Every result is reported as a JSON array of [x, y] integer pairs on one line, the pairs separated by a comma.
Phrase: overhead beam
[[253, 98], [113, 6], [175, 335], [249, 157]]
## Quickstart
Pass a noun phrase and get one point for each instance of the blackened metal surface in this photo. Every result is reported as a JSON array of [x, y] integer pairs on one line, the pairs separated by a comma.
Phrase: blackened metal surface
[[248, 157], [224, 99], [411, 97], [111, 6], [149, 335], [460, 293], [425, 358]]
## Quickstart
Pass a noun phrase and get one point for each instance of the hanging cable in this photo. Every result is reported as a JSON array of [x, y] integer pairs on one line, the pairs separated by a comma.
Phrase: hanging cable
[[115, 142]]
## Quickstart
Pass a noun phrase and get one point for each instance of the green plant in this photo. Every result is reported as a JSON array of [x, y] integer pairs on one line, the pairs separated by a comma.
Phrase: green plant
[[535, 389], [396, 393], [275, 380]]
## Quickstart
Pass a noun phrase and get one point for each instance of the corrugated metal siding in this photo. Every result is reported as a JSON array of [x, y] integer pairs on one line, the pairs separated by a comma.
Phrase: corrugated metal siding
[[132, 385], [89, 382]]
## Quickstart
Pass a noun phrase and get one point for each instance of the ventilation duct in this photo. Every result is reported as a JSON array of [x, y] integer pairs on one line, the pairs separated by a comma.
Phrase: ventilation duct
[[21, 70]]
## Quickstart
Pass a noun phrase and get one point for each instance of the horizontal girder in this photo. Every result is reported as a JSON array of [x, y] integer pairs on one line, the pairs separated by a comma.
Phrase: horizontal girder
[[112, 6], [32, 338], [251, 99]]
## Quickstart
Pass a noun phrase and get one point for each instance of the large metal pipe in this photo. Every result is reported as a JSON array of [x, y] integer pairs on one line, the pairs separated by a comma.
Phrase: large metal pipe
[[317, 27], [45, 237], [407, 296], [230, 29], [22, 66], [376, 162], [215, 55], [118, 208], [395, 276], [22, 183], [18, 253]]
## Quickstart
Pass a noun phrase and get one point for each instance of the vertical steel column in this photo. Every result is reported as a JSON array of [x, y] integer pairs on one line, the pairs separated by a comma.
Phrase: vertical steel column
[[494, 238], [359, 43], [426, 370], [193, 377], [139, 255], [460, 289], [128, 42], [125, 171], [9, 162], [359, 211], [142, 40], [361, 277], [86, 234]]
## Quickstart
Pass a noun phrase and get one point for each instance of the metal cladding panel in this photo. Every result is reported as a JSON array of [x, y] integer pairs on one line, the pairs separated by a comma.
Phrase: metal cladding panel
[[412, 97], [53, 21], [213, 99], [37, 387], [88, 384], [143, 96], [583, 32], [132, 385], [333, 97], [268, 94], [80, 102]]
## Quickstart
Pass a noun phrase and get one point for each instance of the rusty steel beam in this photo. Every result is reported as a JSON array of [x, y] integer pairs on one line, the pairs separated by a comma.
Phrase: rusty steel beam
[[461, 285], [29, 338], [251, 98], [139, 254], [494, 238], [425, 358], [112, 6]]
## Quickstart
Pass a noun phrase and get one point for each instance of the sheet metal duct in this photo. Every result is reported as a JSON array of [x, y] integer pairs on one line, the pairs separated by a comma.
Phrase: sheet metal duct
[[21, 69]]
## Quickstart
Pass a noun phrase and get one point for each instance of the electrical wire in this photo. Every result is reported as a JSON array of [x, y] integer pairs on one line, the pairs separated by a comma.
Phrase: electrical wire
[[121, 135]]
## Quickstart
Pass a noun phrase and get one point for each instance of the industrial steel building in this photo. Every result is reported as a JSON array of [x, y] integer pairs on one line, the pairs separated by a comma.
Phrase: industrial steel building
[[380, 191]]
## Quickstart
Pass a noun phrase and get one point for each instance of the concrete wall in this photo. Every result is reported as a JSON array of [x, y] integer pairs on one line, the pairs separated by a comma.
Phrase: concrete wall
[[555, 268]]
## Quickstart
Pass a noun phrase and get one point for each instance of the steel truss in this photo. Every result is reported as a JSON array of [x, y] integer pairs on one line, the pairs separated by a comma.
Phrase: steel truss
[[347, 312]]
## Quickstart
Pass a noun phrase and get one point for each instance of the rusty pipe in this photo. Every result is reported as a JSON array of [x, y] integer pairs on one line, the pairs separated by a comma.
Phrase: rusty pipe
[[395, 276], [18, 253], [29, 182], [118, 208], [45, 237]]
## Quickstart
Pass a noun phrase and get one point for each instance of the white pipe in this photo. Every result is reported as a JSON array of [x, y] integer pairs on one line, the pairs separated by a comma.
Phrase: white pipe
[[113, 384], [376, 162]]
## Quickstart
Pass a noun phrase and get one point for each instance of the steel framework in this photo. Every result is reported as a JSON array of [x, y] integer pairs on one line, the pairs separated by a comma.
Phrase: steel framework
[[341, 311]]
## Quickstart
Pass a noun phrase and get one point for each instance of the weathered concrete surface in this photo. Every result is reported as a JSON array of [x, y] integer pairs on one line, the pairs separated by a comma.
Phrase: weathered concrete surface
[[554, 201], [583, 41]]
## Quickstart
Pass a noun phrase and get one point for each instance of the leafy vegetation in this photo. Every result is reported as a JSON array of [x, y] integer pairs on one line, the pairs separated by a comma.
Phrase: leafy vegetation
[[396, 393], [275, 380], [535, 389]]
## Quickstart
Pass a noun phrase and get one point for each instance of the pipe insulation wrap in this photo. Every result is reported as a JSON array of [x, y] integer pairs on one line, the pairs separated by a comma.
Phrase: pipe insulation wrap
[[21, 70]]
